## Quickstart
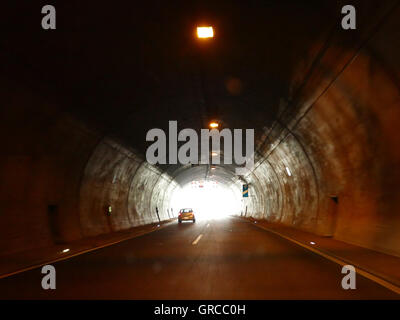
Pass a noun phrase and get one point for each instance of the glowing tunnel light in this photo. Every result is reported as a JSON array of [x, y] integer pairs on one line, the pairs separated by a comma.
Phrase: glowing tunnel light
[[205, 32], [214, 125], [212, 201]]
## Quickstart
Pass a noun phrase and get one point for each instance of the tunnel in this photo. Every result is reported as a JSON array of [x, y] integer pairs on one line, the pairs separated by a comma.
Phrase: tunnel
[[79, 100]]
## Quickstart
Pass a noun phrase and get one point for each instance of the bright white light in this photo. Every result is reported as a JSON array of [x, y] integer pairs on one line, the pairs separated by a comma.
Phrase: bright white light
[[205, 32], [208, 199], [65, 250], [214, 154], [312, 242], [288, 171]]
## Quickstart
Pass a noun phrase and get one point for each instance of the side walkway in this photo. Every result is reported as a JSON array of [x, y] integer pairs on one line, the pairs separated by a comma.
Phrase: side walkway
[[380, 265], [26, 260]]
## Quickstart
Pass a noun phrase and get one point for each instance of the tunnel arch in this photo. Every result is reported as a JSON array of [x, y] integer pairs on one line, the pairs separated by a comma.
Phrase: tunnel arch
[[337, 133]]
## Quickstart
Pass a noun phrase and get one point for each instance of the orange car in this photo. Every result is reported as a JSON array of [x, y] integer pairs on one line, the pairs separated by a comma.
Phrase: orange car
[[186, 214]]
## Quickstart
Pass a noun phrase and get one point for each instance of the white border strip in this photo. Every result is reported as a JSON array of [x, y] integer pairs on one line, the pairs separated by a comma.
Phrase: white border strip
[[339, 261], [65, 257], [197, 239]]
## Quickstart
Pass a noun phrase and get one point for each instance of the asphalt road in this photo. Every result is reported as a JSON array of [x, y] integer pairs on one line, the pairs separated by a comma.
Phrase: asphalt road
[[232, 259]]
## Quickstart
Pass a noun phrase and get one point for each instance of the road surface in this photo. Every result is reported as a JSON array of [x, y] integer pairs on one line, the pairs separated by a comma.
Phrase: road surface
[[210, 259]]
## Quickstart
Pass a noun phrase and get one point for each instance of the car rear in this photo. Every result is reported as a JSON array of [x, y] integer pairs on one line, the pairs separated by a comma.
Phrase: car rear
[[186, 215]]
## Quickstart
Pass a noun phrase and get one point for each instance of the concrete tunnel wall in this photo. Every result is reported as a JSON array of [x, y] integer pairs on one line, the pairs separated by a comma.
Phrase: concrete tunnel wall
[[116, 177], [337, 135], [339, 138], [57, 178]]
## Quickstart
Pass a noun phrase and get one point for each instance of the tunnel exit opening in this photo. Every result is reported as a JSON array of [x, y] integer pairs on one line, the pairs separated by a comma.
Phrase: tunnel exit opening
[[209, 199]]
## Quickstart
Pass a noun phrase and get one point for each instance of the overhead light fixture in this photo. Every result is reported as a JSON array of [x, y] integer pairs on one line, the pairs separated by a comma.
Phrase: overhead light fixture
[[205, 32], [213, 124], [65, 250], [214, 154]]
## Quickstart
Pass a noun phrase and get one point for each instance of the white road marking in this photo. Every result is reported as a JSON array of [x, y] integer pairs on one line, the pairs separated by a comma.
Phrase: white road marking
[[197, 239], [369, 275]]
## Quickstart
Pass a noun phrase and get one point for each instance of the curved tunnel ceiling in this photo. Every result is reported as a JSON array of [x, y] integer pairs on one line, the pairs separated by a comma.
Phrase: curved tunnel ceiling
[[129, 72]]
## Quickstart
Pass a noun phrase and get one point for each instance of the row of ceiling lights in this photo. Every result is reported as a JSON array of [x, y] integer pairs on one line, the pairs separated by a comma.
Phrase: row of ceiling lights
[[206, 32]]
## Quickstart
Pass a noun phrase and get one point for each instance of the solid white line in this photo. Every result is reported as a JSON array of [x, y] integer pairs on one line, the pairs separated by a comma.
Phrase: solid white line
[[197, 239], [369, 275], [78, 253]]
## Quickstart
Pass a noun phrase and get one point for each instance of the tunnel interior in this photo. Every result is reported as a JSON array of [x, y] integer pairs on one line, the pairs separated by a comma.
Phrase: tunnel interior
[[323, 102]]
